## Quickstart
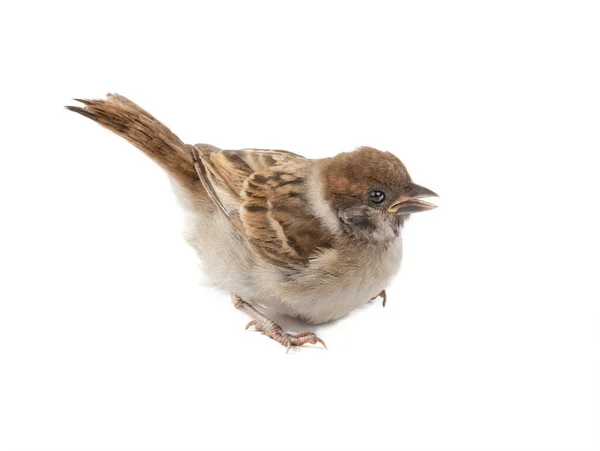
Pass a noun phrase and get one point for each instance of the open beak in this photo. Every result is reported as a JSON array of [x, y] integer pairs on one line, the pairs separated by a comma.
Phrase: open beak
[[409, 202]]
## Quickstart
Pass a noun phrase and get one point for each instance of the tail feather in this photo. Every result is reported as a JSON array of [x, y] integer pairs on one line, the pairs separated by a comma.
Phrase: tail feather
[[140, 128]]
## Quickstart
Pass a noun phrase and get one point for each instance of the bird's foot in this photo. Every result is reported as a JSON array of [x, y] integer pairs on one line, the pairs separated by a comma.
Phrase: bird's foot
[[275, 332], [383, 296], [272, 330]]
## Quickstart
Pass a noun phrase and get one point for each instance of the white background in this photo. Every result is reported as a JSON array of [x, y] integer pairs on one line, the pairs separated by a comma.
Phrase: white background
[[490, 339]]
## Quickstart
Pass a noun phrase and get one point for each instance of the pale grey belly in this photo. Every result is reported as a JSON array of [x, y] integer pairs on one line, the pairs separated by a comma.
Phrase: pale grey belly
[[327, 290], [324, 291]]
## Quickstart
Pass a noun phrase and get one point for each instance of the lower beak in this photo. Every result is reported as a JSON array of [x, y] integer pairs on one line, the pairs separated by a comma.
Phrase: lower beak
[[410, 202]]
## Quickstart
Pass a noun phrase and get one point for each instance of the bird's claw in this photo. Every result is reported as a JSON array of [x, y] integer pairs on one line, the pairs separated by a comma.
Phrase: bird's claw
[[382, 295], [287, 339]]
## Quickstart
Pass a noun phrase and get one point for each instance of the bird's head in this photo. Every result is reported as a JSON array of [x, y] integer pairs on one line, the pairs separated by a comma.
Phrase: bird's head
[[371, 193]]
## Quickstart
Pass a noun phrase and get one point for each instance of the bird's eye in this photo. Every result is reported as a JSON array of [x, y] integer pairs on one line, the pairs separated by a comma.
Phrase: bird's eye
[[376, 196]]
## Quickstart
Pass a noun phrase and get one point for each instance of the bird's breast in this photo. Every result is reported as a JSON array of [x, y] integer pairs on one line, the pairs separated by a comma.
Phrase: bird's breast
[[339, 280]]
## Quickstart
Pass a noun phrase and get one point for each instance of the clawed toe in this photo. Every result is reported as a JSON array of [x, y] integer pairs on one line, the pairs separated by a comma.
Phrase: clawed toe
[[272, 330], [301, 339], [287, 339], [318, 340], [382, 295]]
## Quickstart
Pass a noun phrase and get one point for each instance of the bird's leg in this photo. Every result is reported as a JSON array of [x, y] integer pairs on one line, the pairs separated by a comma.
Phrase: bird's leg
[[271, 329], [383, 296]]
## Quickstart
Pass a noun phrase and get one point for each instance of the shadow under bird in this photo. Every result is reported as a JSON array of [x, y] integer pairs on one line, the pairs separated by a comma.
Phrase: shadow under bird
[[309, 238]]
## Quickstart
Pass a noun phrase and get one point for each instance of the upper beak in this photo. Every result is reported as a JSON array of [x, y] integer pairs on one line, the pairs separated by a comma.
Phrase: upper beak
[[409, 201]]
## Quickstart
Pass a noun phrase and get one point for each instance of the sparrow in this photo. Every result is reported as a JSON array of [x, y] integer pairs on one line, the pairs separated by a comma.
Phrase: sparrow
[[309, 238]]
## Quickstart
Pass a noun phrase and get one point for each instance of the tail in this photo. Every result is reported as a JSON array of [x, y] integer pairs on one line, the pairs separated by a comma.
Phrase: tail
[[136, 125]]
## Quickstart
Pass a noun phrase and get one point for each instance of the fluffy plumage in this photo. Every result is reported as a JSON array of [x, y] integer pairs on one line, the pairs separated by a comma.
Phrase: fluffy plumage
[[308, 238]]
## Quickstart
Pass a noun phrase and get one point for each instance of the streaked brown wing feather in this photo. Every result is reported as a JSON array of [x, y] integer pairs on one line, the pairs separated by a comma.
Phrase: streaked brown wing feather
[[227, 170], [263, 192], [263, 159], [277, 220]]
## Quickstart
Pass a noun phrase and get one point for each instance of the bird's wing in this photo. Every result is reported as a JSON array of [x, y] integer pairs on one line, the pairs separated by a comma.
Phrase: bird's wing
[[263, 194]]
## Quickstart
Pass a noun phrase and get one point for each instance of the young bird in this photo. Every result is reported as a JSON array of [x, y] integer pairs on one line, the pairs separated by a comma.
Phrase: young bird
[[312, 239]]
